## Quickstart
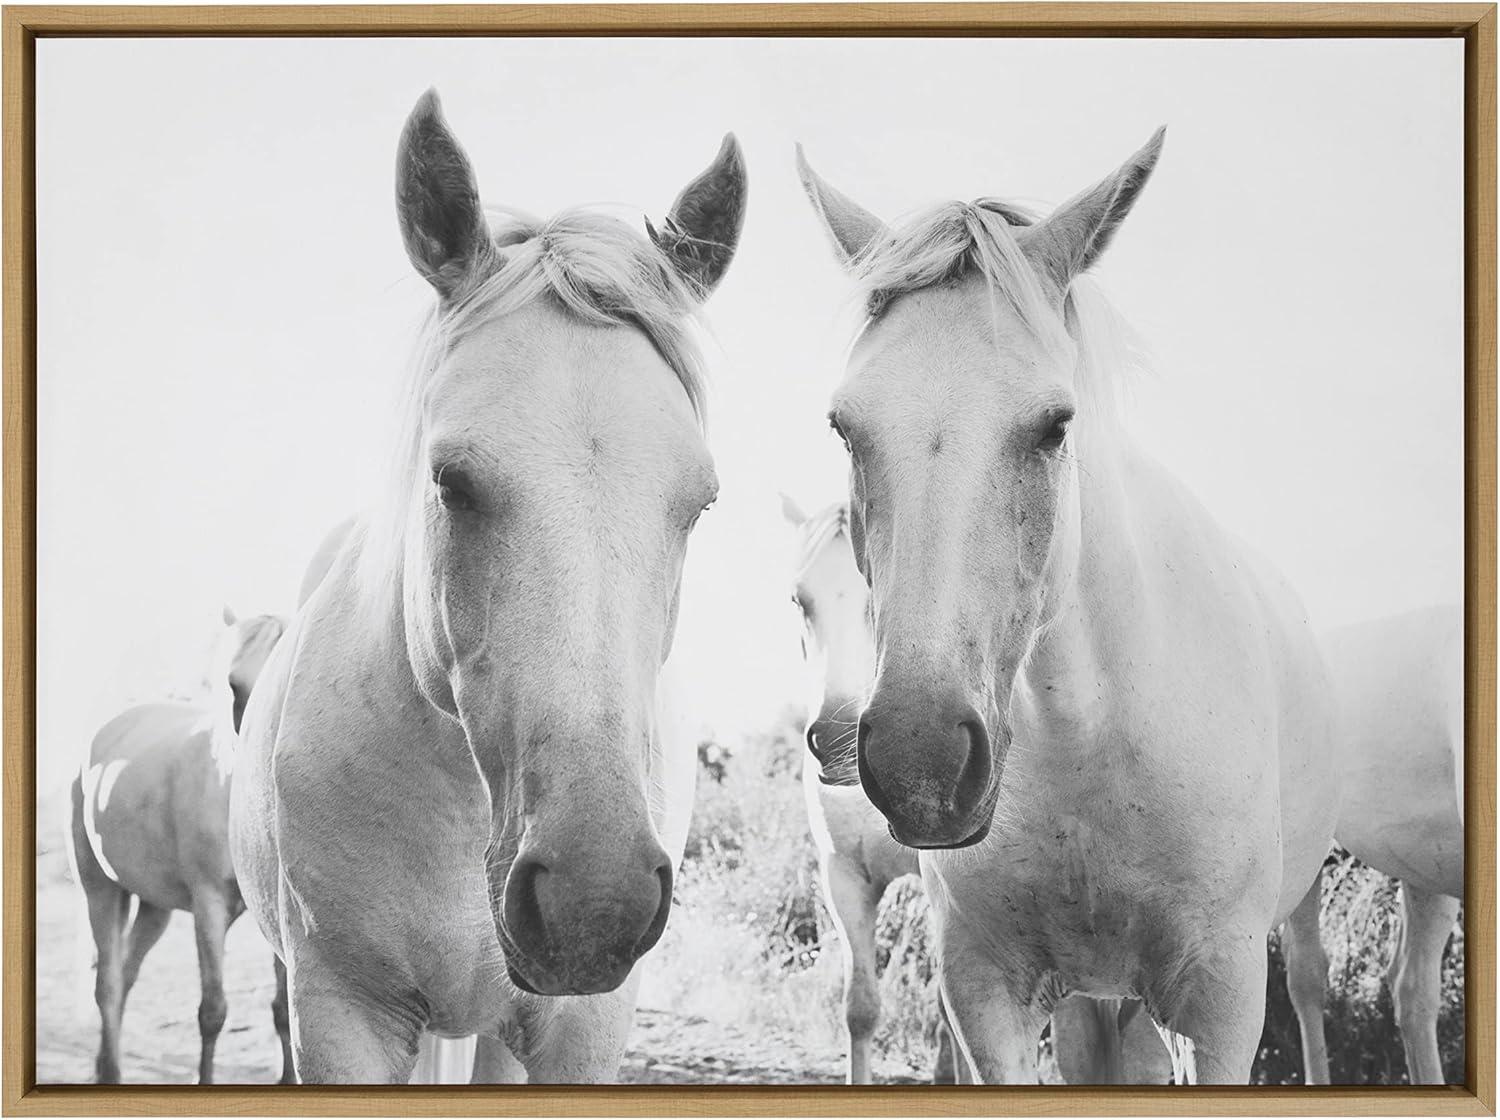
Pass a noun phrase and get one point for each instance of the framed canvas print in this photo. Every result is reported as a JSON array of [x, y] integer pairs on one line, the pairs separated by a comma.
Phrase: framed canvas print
[[749, 558]]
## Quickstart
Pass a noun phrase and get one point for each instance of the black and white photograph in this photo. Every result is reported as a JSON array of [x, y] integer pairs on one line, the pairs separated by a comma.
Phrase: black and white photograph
[[751, 561]]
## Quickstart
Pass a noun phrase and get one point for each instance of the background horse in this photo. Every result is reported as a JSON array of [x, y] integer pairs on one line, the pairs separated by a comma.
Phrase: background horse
[[1105, 719], [149, 821], [857, 858], [456, 812], [1095, 1042], [1399, 681]]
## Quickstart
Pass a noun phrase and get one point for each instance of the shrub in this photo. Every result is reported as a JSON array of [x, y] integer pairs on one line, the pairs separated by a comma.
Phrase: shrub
[[751, 943]]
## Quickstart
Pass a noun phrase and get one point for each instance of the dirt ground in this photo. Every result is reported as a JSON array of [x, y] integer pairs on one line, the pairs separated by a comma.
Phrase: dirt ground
[[160, 1031]]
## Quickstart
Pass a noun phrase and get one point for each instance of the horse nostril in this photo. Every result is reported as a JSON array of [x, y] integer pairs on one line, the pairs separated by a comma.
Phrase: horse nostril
[[873, 791], [974, 777], [663, 909], [523, 909]]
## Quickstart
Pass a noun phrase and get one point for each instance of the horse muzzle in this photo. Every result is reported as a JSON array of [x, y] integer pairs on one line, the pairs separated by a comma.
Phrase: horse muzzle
[[576, 923], [927, 764]]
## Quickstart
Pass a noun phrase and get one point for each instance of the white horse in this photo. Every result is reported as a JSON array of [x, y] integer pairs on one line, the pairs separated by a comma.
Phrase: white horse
[[1095, 1041], [453, 812], [856, 855], [149, 822], [1104, 718], [1400, 683]]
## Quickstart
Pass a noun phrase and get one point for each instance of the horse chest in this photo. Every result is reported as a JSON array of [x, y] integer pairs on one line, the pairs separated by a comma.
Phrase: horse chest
[[1083, 884], [1085, 895]]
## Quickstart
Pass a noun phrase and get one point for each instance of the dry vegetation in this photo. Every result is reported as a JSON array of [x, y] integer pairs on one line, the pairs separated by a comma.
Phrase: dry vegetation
[[750, 943]]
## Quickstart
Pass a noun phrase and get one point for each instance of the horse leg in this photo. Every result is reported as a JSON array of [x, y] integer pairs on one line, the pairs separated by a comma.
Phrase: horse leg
[[1307, 981], [997, 1032], [282, 1018], [444, 1061], [1143, 1058], [853, 900], [945, 1069], [210, 924], [146, 928], [108, 906], [1416, 979], [1086, 1042], [1215, 1011], [340, 1038], [952, 1068], [576, 1039], [494, 1064]]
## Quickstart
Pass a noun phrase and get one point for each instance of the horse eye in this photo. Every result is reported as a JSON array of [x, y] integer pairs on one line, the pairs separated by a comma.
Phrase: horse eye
[[451, 491], [833, 422], [1055, 432], [454, 498]]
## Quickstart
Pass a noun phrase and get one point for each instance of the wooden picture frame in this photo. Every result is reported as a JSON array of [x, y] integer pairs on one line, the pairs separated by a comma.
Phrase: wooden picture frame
[[1475, 24]]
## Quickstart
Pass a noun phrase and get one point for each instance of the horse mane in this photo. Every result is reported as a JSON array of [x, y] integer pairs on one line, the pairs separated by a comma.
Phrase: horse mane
[[592, 265], [817, 533], [954, 240]]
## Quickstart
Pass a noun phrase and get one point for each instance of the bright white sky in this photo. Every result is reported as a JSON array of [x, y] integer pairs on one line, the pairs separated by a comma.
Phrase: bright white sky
[[225, 306]]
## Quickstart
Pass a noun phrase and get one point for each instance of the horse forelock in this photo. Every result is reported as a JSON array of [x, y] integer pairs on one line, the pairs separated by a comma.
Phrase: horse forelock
[[955, 240], [593, 266], [949, 242], [600, 270]]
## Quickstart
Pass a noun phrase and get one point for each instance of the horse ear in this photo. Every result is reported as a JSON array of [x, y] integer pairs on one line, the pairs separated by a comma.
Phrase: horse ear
[[437, 202], [852, 227], [230, 618], [703, 227], [792, 512], [1072, 238]]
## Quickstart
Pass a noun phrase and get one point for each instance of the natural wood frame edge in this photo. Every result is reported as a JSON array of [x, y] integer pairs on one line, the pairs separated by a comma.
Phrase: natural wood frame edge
[[22, 25]]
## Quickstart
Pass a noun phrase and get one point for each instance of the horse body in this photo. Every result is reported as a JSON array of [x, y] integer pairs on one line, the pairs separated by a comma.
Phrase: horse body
[[858, 861], [1399, 682], [1157, 825], [857, 858], [1095, 1041], [148, 770], [1105, 722], [150, 811], [846, 828], [455, 804]]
